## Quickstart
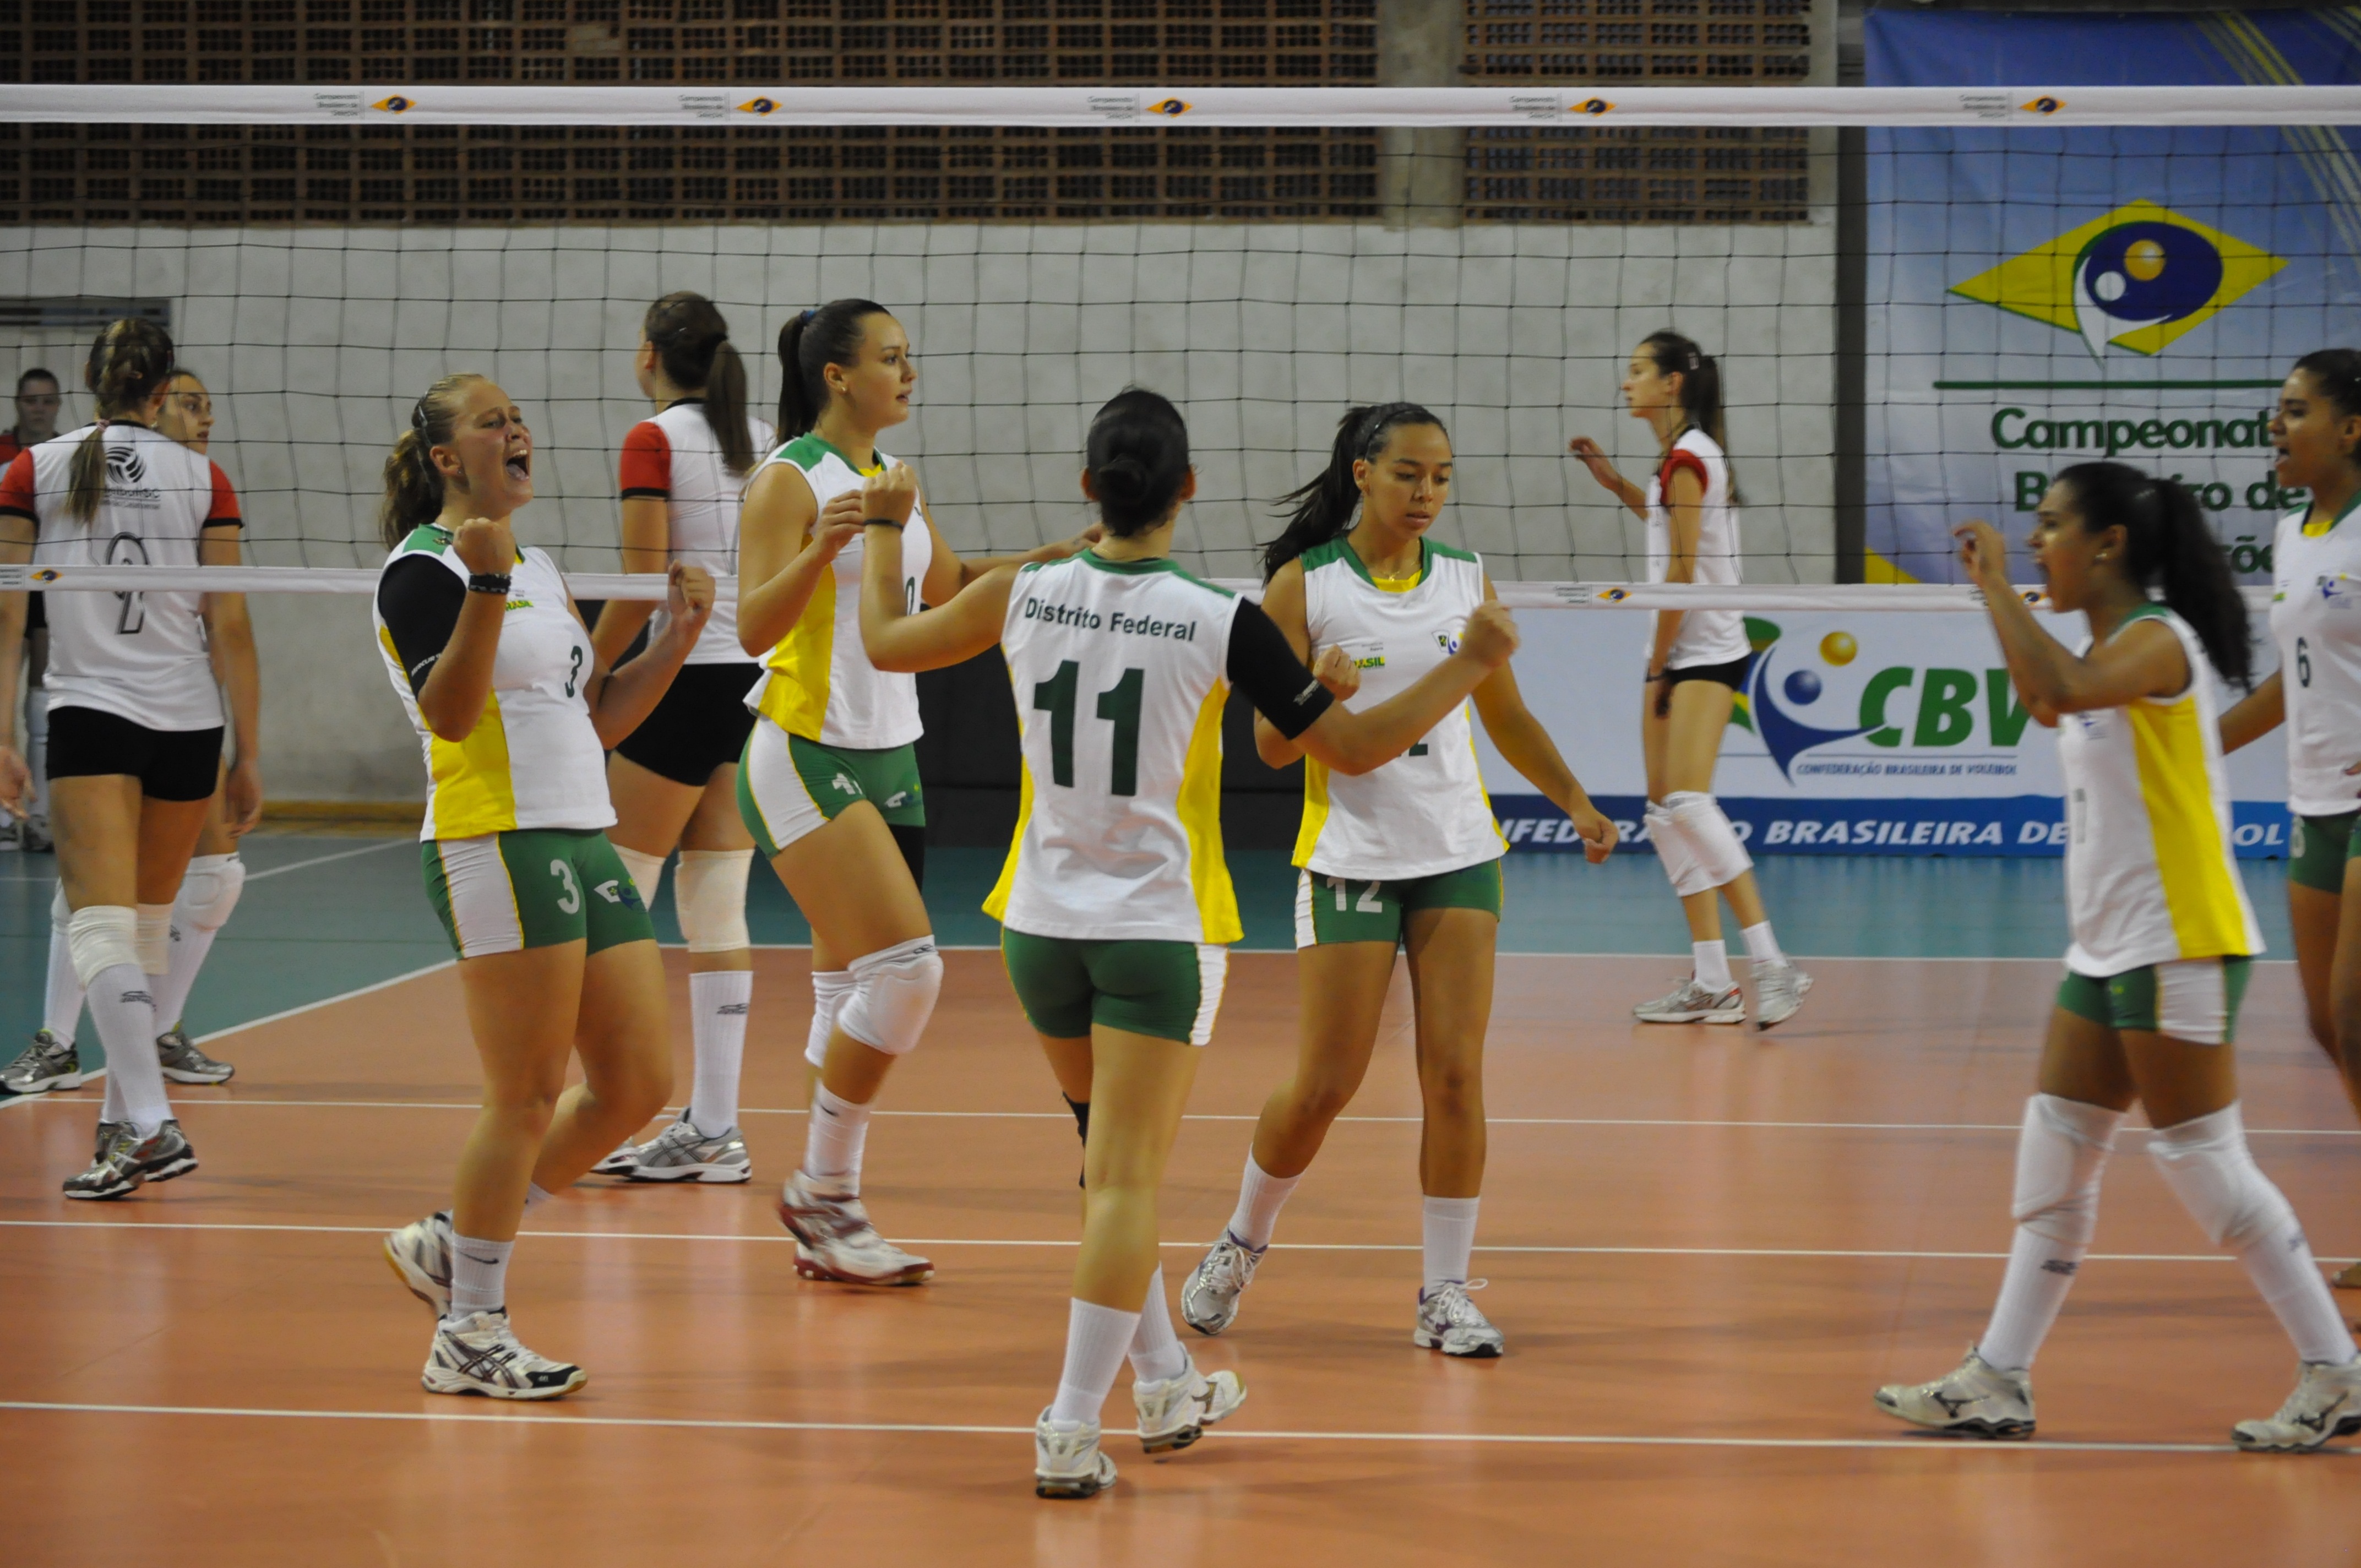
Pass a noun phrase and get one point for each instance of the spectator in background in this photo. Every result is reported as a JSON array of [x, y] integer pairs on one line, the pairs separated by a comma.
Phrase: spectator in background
[[38, 399]]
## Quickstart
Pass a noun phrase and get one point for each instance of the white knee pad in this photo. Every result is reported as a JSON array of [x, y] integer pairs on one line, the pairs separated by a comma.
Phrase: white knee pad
[[829, 989], [210, 891], [1671, 849], [2059, 1156], [2205, 1163], [647, 873], [154, 937], [710, 899], [893, 994], [101, 937], [1720, 859]]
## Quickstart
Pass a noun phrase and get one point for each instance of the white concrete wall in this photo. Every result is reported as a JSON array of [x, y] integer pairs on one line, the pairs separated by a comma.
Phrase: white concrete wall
[[317, 340]]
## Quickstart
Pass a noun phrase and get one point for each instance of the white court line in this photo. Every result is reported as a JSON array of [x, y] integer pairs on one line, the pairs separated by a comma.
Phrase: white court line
[[325, 859], [1187, 1245], [1222, 1434]]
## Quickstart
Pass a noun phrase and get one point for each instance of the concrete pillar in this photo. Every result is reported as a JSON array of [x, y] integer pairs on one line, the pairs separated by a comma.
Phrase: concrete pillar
[[1422, 174]]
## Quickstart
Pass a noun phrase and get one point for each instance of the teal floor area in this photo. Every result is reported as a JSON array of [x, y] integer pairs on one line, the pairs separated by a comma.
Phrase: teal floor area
[[324, 917]]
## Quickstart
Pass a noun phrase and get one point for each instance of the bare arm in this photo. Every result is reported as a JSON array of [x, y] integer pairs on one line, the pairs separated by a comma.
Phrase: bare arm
[[1594, 457], [620, 699], [1527, 747], [897, 640], [1282, 601], [1352, 742], [2139, 661], [452, 700], [16, 550], [230, 634], [2256, 714], [647, 547], [783, 545], [947, 573]]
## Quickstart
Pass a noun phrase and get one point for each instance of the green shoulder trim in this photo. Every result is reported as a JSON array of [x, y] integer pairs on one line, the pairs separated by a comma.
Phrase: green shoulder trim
[[1326, 555], [1092, 559], [1448, 552], [807, 450], [2149, 610], [1188, 576], [426, 536]]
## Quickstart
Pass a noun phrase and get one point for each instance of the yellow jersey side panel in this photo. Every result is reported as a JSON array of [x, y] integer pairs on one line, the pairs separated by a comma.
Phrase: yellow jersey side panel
[[795, 696], [1201, 818], [2199, 890], [473, 792]]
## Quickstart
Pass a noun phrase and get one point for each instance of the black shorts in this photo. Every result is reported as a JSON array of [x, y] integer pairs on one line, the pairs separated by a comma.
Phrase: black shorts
[[37, 615], [1731, 674], [170, 764], [700, 724]]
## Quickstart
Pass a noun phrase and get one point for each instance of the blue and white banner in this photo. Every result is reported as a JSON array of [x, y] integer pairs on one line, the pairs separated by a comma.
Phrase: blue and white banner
[[2044, 297]]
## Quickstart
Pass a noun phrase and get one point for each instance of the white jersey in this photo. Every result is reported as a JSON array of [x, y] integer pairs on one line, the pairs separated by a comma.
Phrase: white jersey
[[534, 759], [819, 683], [1425, 812], [139, 656], [2316, 622], [676, 457], [1707, 636], [1119, 669], [2150, 875]]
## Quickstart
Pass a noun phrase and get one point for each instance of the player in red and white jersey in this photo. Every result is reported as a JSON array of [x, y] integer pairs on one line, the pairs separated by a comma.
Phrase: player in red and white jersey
[[136, 715], [37, 399], [675, 779]]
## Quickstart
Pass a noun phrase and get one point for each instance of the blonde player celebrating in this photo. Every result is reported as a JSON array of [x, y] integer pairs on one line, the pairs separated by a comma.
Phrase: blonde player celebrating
[[675, 778], [1116, 902], [2163, 941], [2316, 622], [136, 716], [1696, 662], [1406, 856], [513, 707], [829, 785]]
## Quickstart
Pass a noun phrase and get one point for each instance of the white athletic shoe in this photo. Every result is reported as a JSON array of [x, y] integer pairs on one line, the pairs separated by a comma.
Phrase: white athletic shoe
[[482, 1357], [1209, 1298], [421, 1255], [1694, 1003], [681, 1152], [1066, 1459], [620, 1163], [1450, 1322], [2327, 1403], [1779, 991], [1175, 1412], [1975, 1399], [838, 1242]]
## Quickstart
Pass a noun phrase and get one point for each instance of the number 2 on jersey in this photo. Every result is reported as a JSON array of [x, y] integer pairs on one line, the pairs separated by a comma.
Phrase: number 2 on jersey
[[1118, 705]]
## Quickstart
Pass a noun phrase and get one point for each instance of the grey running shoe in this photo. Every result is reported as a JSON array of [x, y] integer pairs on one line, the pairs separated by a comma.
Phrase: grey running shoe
[[33, 836], [1779, 990], [1066, 1459], [1450, 1322], [125, 1161], [839, 1241], [1977, 1399], [421, 1255], [620, 1163], [681, 1152], [1694, 1003], [1175, 1412], [481, 1355], [1209, 1297], [44, 1065], [183, 1063], [2327, 1403]]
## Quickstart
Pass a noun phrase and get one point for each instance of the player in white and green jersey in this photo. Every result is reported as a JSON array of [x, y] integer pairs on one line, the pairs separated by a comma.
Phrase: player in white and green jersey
[[1116, 902], [1405, 856], [829, 784]]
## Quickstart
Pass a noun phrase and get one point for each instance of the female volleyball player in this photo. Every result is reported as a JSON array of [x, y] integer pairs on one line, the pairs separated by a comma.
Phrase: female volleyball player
[[2163, 941], [675, 779], [829, 785], [209, 892], [2316, 620], [1404, 855], [1697, 663], [1115, 901], [513, 707], [136, 716]]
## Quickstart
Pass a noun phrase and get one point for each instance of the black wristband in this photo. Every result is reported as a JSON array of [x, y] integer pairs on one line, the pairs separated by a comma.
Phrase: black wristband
[[490, 583], [884, 522]]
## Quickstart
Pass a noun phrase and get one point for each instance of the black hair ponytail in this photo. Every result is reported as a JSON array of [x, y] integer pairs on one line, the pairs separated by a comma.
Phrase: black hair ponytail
[[413, 486], [1700, 375], [1137, 458], [1324, 507], [692, 344], [808, 345], [130, 360], [2171, 548], [2337, 373]]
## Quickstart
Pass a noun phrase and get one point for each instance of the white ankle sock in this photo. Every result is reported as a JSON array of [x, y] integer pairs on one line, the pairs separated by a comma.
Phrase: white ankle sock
[[1450, 1229], [480, 1277], [830, 988], [1761, 946], [1096, 1339], [1260, 1197], [832, 1145], [1712, 960], [123, 1010], [535, 1195], [2032, 1293], [110, 1097], [717, 1011], [61, 997], [2282, 1268], [1156, 1352]]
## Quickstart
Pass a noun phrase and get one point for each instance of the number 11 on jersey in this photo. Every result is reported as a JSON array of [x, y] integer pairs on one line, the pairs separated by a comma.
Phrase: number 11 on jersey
[[1118, 705]]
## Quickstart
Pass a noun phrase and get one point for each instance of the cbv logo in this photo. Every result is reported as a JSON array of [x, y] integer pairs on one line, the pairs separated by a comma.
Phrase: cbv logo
[[1930, 707]]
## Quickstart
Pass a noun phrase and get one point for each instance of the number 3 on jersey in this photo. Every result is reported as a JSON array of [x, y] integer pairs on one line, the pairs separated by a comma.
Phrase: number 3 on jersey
[[1118, 705]]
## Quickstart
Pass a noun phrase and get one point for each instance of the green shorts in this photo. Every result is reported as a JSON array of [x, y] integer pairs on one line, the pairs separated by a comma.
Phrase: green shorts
[[1169, 989], [534, 887], [2189, 999], [1333, 909], [789, 786], [2321, 847]]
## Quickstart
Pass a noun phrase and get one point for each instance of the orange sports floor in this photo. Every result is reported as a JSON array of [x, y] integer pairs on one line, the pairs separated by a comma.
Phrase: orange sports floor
[[1704, 1246]]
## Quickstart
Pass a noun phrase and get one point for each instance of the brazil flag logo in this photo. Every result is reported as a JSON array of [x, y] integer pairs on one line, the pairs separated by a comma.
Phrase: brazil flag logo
[[2138, 278]]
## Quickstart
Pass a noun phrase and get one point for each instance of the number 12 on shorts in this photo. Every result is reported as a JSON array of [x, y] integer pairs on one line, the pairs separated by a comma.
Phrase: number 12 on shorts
[[1368, 903], [1118, 705]]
